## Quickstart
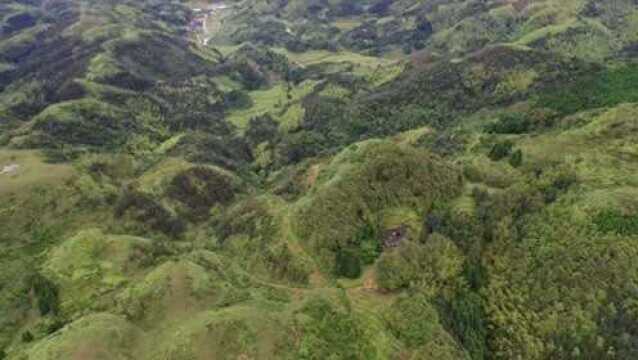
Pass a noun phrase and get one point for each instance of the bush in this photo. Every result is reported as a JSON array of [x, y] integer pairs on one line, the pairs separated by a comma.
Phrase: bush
[[431, 266], [222, 149], [467, 320], [613, 221], [413, 320], [299, 146], [369, 245], [27, 337], [558, 183], [145, 209], [46, 293], [510, 123], [86, 122], [501, 150], [237, 99], [260, 129], [445, 144], [332, 333], [463, 229], [199, 188], [193, 104], [348, 264], [284, 264], [604, 88], [251, 217], [516, 159], [250, 77]]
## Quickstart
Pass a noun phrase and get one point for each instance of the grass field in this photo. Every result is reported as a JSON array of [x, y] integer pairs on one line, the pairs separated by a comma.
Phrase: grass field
[[322, 56], [31, 171], [273, 101]]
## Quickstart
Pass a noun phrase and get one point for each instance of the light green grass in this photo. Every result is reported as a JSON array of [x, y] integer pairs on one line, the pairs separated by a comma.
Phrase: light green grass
[[347, 24], [603, 151], [314, 57], [273, 101], [32, 171]]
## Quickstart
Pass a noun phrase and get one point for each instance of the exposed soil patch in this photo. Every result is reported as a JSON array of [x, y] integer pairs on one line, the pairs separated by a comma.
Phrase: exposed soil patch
[[10, 169]]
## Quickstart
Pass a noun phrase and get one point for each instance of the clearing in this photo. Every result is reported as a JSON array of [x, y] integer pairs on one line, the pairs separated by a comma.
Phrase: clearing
[[23, 169]]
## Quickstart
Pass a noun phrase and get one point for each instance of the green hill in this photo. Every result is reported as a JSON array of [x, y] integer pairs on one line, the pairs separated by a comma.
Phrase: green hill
[[310, 179]]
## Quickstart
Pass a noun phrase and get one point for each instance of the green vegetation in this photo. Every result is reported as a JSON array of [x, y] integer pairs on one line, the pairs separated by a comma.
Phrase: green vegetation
[[611, 221], [359, 184], [413, 320], [500, 150], [309, 179], [333, 332], [608, 87]]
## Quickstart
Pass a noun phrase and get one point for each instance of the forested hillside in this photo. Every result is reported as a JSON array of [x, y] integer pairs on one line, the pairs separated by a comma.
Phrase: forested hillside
[[318, 179]]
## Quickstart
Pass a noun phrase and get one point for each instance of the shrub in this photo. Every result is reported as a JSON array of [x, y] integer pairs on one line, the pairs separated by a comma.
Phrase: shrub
[[604, 88], [462, 228], [227, 151], [431, 267], [516, 159], [199, 188], [468, 321], [613, 221], [251, 217], [348, 264], [298, 146], [237, 99], [500, 150], [558, 182], [250, 77], [85, 122], [332, 333], [445, 144], [510, 123], [194, 104], [284, 264], [369, 245], [145, 209], [260, 129], [27, 337], [413, 320], [46, 293]]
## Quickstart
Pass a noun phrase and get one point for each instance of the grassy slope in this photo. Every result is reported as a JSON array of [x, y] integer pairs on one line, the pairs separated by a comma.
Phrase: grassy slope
[[32, 171]]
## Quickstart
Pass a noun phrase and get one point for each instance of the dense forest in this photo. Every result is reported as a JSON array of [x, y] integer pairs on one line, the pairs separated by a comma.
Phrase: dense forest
[[318, 179]]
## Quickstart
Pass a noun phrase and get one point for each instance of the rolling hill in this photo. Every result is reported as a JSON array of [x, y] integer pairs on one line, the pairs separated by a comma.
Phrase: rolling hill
[[314, 179]]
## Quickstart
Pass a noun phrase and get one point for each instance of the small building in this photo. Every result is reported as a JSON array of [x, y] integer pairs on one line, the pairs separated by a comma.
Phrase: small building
[[393, 237]]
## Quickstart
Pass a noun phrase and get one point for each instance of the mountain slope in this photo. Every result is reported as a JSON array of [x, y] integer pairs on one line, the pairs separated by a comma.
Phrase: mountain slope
[[309, 179]]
